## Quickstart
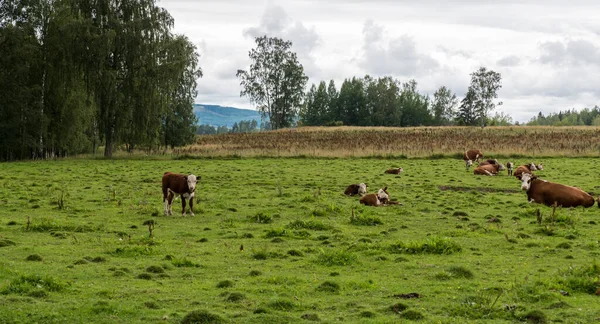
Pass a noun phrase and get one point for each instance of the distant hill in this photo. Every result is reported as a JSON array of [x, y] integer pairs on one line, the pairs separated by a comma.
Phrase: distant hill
[[223, 116]]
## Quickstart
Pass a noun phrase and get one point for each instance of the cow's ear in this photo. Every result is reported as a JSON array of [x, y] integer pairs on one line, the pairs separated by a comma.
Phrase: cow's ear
[[385, 189], [185, 177]]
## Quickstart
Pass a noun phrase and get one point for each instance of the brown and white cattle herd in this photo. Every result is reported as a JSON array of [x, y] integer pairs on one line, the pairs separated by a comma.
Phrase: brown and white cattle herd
[[538, 190]]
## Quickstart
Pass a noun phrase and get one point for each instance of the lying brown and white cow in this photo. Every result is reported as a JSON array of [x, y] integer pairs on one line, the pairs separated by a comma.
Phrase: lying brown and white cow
[[378, 199], [394, 171], [173, 185], [470, 156], [510, 166], [525, 168], [356, 189], [549, 193], [494, 161], [488, 170]]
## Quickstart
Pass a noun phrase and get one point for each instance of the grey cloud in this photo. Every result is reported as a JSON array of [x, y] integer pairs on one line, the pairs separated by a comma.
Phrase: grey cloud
[[399, 57], [510, 60], [571, 52], [453, 52], [276, 22]]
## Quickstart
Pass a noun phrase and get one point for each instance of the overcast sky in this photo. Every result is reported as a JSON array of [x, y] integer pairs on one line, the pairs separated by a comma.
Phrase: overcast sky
[[548, 51]]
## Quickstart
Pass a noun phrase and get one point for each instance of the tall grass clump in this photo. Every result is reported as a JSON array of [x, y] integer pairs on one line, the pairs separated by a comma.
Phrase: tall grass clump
[[310, 225], [433, 245], [336, 258]]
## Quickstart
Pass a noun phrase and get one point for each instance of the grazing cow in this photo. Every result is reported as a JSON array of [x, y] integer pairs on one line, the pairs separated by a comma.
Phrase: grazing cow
[[470, 156], [509, 167], [394, 171], [378, 199], [525, 168], [178, 184], [494, 161], [489, 170], [554, 194], [356, 189]]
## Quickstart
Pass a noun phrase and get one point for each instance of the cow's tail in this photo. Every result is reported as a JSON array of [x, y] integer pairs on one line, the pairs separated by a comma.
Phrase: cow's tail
[[598, 201]]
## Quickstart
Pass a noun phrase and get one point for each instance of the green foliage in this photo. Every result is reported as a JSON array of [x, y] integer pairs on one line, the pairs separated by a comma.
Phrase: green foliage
[[78, 74]]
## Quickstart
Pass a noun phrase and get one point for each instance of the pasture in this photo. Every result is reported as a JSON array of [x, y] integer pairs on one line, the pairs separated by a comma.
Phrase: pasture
[[274, 240]]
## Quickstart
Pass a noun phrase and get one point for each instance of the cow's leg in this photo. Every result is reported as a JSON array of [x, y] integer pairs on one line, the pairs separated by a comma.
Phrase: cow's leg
[[488, 173], [164, 190], [192, 206], [170, 201], [182, 205]]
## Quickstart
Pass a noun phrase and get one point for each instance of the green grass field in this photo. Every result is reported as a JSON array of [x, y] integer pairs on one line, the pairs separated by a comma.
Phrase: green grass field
[[75, 244]]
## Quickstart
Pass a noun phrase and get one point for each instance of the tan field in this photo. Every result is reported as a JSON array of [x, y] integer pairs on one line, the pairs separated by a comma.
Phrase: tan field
[[349, 141]]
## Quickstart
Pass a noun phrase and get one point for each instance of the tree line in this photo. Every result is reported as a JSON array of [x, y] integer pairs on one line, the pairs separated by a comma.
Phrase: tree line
[[78, 74], [584, 117], [275, 82]]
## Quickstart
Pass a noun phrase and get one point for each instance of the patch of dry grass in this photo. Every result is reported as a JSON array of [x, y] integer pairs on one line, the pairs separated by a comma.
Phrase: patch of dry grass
[[347, 141]]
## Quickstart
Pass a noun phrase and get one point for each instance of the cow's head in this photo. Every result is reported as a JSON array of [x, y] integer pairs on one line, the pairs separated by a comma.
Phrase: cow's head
[[526, 179], [191, 182], [362, 189], [532, 167], [500, 165], [540, 167], [468, 163], [400, 170], [382, 194]]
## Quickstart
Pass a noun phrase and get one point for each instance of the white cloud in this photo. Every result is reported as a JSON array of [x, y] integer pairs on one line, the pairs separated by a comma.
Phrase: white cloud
[[548, 52]]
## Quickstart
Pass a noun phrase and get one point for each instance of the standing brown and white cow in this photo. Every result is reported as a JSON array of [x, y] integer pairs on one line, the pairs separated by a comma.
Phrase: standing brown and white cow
[[470, 156], [173, 185], [510, 166], [549, 193]]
